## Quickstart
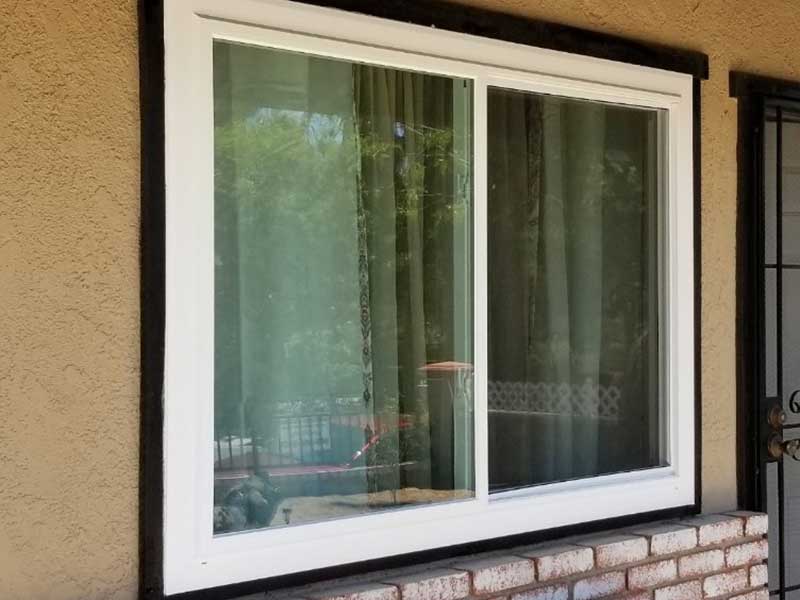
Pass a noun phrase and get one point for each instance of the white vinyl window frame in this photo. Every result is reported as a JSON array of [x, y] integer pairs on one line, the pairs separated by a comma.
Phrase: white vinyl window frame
[[193, 557]]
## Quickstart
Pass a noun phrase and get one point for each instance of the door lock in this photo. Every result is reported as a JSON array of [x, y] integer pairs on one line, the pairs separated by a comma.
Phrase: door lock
[[776, 416], [777, 448]]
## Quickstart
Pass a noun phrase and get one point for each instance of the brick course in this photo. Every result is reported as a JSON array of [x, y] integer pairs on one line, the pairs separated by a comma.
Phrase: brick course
[[442, 584], [755, 524], [758, 575], [599, 586], [553, 562], [689, 590], [550, 592], [363, 591], [701, 563], [717, 529], [706, 557], [652, 574], [613, 550], [745, 554], [497, 574], [725, 583], [669, 538]]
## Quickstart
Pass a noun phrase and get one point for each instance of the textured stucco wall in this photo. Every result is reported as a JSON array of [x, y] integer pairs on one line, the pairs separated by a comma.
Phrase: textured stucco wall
[[69, 275], [68, 299]]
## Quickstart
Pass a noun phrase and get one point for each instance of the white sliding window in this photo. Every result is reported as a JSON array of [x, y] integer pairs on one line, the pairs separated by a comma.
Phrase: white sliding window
[[422, 289]]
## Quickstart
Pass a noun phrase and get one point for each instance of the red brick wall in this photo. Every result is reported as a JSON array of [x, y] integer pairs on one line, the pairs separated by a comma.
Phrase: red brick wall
[[711, 556]]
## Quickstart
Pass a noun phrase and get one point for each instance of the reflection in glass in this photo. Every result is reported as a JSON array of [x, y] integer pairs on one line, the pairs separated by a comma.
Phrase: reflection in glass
[[770, 190], [573, 289], [790, 182], [789, 326], [771, 332], [343, 337]]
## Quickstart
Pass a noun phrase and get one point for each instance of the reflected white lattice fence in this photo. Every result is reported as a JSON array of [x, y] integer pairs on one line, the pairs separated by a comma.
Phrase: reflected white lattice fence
[[586, 399]]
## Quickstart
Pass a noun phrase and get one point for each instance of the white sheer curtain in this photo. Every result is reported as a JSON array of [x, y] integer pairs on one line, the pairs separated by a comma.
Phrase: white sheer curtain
[[571, 297], [571, 270]]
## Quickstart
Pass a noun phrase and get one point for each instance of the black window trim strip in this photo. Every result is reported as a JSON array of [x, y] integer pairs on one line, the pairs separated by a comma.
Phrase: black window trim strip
[[152, 253], [516, 29], [745, 85], [433, 13]]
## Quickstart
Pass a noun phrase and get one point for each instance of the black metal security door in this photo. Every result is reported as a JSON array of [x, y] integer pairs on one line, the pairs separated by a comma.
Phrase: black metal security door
[[769, 317], [779, 414]]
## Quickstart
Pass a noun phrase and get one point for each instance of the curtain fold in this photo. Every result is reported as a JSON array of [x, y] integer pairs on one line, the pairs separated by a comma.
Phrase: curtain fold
[[390, 119], [570, 326], [405, 128]]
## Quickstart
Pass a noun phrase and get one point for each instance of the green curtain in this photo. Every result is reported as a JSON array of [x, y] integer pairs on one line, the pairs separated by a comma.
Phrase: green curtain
[[405, 132]]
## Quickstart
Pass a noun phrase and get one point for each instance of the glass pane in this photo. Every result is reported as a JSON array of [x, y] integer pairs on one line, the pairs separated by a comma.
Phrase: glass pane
[[343, 315], [790, 350], [791, 189], [573, 289], [770, 189], [771, 332]]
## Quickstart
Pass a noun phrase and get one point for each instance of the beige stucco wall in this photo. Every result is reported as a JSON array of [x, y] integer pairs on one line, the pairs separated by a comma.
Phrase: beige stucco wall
[[69, 208], [69, 276]]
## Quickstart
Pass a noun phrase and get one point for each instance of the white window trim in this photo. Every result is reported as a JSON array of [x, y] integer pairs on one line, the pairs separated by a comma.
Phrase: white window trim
[[193, 557]]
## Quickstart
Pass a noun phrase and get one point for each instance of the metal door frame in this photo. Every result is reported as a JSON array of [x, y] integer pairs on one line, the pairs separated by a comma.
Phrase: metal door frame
[[756, 97]]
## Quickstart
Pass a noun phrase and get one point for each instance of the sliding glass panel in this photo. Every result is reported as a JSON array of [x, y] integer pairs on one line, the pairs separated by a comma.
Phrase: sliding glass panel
[[574, 289], [343, 274]]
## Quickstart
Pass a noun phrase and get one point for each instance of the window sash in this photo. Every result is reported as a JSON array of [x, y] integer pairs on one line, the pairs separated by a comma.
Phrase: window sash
[[194, 558]]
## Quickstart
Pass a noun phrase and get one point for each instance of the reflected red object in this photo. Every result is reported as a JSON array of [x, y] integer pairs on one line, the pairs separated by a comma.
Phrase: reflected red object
[[403, 423]]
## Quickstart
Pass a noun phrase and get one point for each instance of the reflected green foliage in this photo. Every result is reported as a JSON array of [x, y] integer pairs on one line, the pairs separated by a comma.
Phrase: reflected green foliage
[[289, 179], [282, 177]]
